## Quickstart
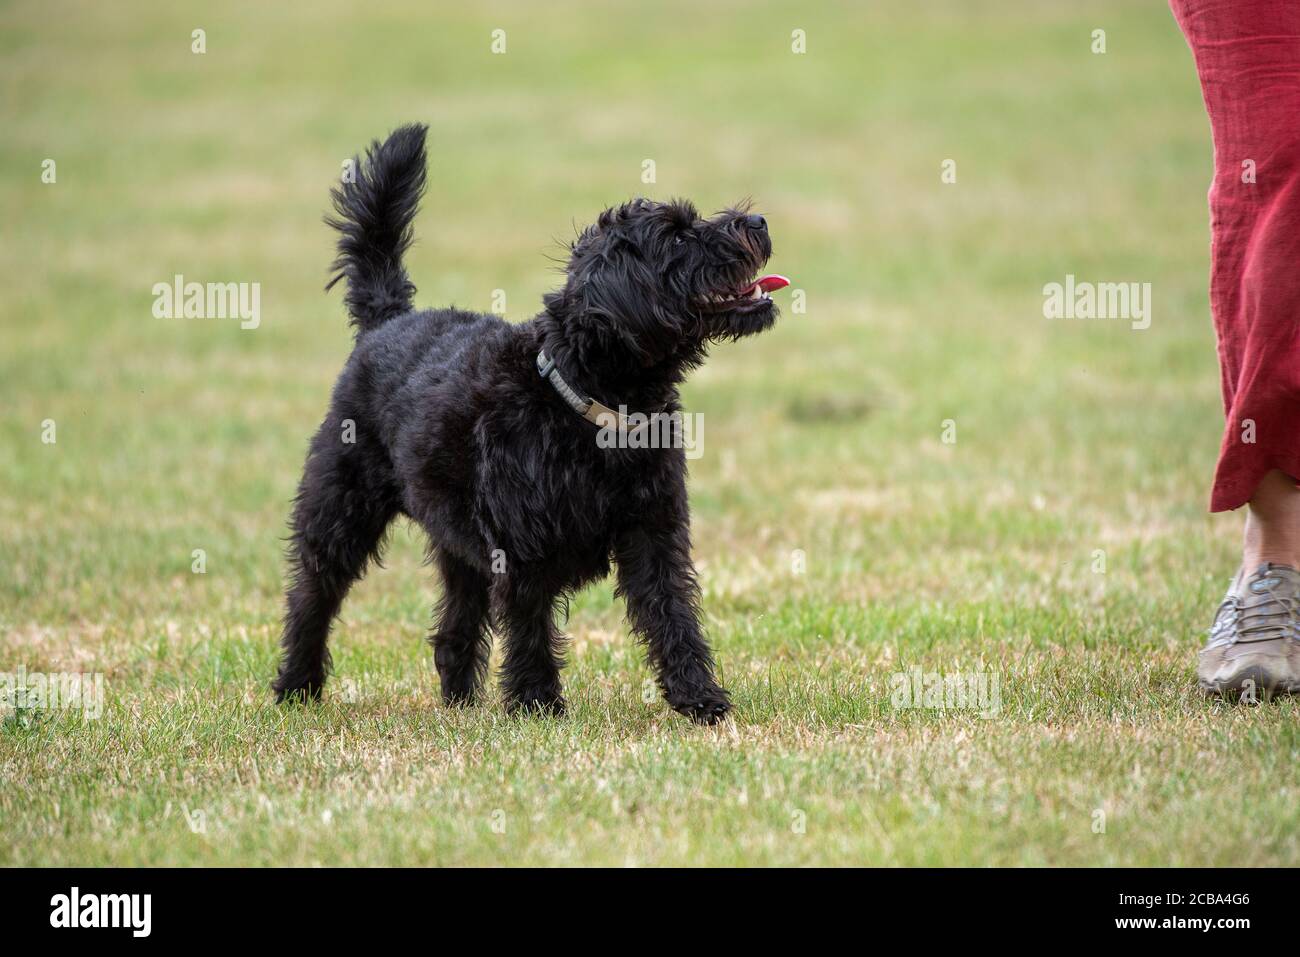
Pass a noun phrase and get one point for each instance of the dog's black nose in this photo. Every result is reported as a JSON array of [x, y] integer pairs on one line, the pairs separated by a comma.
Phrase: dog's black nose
[[755, 221]]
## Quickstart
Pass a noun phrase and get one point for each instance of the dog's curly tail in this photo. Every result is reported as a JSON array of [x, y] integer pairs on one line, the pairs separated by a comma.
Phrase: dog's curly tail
[[374, 208]]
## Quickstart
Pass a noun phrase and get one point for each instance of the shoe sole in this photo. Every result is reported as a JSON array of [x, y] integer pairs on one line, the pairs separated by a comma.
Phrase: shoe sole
[[1265, 684]]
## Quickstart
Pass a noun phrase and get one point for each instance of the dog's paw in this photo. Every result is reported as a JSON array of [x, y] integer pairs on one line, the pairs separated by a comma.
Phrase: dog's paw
[[538, 704], [459, 699], [460, 694], [300, 694], [704, 706]]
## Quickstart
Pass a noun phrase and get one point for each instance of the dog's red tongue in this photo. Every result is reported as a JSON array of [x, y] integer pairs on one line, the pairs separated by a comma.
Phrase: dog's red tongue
[[767, 283]]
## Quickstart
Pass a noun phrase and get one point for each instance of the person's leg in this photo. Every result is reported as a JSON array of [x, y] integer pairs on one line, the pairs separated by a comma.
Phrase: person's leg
[[1273, 523], [1254, 645], [1247, 55]]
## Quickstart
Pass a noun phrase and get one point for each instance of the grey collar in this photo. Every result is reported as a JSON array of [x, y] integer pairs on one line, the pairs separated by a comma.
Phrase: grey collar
[[587, 407]]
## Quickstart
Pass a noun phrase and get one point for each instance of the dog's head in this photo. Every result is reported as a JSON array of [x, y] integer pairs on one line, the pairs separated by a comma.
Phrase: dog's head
[[655, 281]]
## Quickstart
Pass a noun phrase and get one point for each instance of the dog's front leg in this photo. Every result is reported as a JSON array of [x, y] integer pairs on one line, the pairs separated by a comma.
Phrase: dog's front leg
[[657, 580], [534, 647]]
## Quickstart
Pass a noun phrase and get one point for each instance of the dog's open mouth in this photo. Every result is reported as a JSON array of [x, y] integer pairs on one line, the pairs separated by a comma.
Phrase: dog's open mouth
[[756, 290]]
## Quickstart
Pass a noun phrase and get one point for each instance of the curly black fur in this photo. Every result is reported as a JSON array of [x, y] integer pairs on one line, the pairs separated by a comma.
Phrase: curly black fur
[[455, 429]]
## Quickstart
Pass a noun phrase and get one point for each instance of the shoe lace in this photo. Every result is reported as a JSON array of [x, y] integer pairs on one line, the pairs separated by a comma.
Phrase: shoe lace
[[1270, 615]]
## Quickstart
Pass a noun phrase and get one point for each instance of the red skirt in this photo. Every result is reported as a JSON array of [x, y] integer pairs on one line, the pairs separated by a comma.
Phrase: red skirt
[[1247, 55]]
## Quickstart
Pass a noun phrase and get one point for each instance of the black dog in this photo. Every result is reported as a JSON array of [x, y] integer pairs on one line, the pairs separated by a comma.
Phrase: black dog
[[443, 416]]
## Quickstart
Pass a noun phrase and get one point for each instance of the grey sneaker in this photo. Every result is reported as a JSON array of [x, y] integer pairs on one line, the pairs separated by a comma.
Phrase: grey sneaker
[[1254, 646]]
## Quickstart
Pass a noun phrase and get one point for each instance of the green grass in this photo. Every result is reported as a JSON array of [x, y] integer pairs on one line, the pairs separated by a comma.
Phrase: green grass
[[824, 436]]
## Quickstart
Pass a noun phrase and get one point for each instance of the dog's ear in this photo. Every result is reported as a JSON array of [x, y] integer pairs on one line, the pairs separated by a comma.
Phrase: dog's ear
[[616, 307], [681, 213]]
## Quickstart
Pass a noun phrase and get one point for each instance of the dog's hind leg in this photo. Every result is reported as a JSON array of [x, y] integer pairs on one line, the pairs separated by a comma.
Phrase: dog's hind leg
[[461, 641], [342, 509], [530, 671]]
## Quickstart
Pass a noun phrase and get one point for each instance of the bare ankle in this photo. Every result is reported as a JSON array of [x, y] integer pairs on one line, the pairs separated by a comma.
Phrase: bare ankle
[[1273, 523], [1252, 560]]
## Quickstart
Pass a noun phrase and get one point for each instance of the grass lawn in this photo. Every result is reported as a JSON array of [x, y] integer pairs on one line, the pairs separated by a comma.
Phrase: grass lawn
[[918, 472]]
